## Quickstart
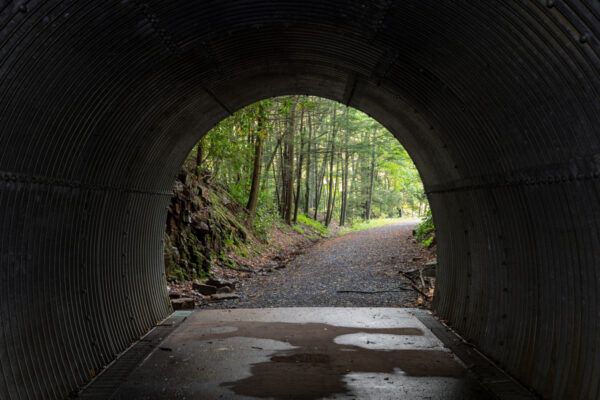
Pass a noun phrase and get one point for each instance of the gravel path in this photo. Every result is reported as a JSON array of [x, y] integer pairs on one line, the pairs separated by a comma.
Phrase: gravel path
[[359, 261]]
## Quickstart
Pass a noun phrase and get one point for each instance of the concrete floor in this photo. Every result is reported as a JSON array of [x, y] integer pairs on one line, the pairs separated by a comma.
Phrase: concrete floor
[[302, 353]]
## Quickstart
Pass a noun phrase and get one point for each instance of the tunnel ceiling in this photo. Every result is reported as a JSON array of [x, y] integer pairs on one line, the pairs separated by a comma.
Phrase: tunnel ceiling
[[496, 101]]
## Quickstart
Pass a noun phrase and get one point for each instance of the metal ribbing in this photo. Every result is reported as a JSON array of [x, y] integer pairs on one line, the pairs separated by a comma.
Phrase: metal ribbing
[[497, 102]]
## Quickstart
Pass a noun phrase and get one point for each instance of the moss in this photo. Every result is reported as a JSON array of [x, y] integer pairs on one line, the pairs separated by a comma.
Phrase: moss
[[203, 271], [198, 263], [242, 251], [178, 273], [188, 256], [227, 261], [240, 230], [197, 257], [171, 257], [316, 226]]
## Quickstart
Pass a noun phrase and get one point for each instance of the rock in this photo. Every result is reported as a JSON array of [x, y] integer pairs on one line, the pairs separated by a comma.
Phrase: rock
[[174, 295], [185, 303], [224, 289], [219, 283], [178, 186], [204, 289], [224, 296], [199, 225]]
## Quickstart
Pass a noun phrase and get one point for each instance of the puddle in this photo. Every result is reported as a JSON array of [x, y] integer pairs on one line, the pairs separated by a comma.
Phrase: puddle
[[317, 366], [379, 341], [394, 386]]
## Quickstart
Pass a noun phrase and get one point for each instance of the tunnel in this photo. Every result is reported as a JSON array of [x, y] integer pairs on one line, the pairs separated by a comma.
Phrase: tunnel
[[496, 102]]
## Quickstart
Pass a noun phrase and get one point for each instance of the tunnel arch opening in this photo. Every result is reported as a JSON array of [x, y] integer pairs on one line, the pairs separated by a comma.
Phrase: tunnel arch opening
[[497, 103], [348, 172]]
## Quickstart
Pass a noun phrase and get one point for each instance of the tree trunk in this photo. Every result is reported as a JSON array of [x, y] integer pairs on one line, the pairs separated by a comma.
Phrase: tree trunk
[[350, 181], [308, 166], [331, 187], [317, 188], [319, 179], [270, 162], [299, 167], [344, 205], [281, 178], [364, 172], [335, 190], [288, 165], [330, 194], [277, 196], [372, 179], [319, 185], [256, 170]]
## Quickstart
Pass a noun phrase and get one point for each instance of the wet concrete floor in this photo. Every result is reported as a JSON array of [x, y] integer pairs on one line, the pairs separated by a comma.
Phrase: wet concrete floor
[[302, 353]]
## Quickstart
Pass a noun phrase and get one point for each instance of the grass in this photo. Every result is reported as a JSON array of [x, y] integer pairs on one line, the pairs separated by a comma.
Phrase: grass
[[370, 224], [315, 225]]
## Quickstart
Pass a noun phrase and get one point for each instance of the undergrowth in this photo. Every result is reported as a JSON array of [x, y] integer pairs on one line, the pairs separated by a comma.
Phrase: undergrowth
[[316, 225], [425, 231], [209, 226]]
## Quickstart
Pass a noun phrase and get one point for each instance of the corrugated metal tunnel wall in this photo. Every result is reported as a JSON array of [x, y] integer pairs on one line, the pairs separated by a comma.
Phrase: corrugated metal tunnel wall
[[496, 101]]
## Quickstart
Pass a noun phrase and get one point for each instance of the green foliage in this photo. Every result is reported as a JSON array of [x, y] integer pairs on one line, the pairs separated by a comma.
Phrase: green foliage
[[368, 171], [239, 191], [266, 217], [241, 251], [316, 225], [229, 151], [425, 231], [429, 241]]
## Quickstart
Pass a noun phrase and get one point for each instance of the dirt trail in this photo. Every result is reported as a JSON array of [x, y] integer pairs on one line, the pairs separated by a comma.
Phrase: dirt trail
[[365, 261]]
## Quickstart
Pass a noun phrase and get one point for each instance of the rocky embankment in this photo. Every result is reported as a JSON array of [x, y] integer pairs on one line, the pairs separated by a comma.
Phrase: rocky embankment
[[210, 245]]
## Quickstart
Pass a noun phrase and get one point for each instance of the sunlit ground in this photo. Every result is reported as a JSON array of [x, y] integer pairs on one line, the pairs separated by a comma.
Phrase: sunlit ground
[[376, 223]]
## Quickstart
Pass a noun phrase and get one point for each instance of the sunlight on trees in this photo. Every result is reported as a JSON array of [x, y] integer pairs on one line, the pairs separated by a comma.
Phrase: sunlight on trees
[[307, 155]]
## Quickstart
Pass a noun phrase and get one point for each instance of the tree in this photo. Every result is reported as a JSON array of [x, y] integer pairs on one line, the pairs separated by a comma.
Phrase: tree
[[307, 155], [287, 171], [345, 171], [371, 180], [299, 167], [332, 153], [256, 169], [308, 166]]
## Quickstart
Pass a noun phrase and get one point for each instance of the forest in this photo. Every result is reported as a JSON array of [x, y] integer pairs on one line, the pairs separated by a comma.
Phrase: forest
[[282, 168], [309, 156]]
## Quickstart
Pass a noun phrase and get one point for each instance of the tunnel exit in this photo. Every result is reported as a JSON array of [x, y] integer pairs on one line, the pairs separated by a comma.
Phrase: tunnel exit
[[496, 102]]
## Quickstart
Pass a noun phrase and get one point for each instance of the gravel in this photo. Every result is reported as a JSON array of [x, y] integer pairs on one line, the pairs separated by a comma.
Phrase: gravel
[[365, 261]]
